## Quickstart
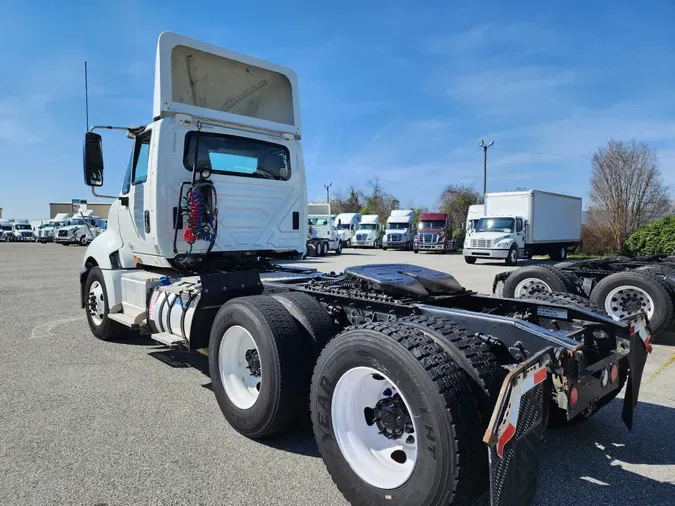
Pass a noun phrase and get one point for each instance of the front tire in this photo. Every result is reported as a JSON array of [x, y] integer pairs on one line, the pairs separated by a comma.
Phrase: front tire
[[470, 260], [338, 251], [97, 308], [259, 365], [426, 452], [83, 240], [512, 257]]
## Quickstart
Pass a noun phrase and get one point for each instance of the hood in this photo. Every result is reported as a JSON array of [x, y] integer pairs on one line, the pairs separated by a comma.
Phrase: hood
[[493, 236], [70, 228]]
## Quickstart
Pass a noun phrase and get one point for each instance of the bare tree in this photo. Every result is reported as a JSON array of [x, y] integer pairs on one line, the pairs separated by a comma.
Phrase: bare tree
[[627, 188], [350, 200], [379, 202]]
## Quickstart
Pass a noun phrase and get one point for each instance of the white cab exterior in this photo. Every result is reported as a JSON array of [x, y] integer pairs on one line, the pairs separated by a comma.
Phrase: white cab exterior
[[347, 224], [322, 227], [369, 232], [399, 232]]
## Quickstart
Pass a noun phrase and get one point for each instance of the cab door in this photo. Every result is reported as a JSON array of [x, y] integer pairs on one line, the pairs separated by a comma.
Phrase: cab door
[[520, 233], [134, 213]]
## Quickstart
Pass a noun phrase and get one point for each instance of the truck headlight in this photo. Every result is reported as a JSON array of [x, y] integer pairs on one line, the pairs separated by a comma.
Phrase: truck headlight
[[503, 244]]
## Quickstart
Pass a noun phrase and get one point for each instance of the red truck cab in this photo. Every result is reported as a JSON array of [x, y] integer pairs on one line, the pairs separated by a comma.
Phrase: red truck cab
[[434, 233]]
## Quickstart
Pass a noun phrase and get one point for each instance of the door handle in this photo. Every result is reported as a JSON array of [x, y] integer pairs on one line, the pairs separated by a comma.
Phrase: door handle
[[147, 221]]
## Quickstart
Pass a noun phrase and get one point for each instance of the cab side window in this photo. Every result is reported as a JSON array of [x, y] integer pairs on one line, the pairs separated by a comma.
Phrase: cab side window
[[126, 185], [519, 224], [141, 158]]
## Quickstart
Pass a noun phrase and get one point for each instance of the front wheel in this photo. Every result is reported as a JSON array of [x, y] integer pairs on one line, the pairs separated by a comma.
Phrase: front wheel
[[512, 257], [416, 251], [97, 308], [338, 251], [83, 240], [349, 243], [470, 260], [390, 429]]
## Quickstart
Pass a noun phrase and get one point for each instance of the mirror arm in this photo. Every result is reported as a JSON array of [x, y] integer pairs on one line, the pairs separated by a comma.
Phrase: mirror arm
[[93, 191], [106, 127]]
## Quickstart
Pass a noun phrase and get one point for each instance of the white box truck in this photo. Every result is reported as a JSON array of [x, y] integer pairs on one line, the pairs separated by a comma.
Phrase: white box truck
[[399, 232], [525, 223], [346, 224], [476, 211], [369, 232], [322, 236]]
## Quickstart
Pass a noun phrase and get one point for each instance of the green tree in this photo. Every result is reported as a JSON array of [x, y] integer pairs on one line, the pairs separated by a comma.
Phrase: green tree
[[349, 201], [379, 202]]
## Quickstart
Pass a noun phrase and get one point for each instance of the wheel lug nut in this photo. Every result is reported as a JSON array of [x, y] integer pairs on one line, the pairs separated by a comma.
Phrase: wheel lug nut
[[387, 392], [410, 440]]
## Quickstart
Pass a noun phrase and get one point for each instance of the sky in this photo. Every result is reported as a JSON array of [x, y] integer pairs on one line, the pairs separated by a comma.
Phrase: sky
[[396, 90]]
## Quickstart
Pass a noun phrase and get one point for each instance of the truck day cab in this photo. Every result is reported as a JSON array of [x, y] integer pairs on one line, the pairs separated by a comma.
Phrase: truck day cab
[[399, 232], [323, 236], [21, 232], [408, 374], [522, 224]]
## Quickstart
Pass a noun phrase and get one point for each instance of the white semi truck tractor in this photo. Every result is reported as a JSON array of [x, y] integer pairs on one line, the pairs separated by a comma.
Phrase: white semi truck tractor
[[407, 375], [323, 235], [399, 232]]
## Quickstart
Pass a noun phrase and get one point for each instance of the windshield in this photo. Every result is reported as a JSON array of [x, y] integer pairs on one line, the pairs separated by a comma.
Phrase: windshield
[[431, 224], [54, 224], [237, 156], [343, 226], [22, 227], [76, 222], [5, 227], [397, 226], [318, 221], [494, 225], [367, 226]]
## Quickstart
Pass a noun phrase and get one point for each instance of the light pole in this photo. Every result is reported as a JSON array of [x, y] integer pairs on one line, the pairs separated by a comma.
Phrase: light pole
[[327, 187], [485, 148]]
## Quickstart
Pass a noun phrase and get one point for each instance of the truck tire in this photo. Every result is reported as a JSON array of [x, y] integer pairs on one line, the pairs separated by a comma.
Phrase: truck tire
[[323, 248], [270, 392], [385, 365], [338, 251], [558, 253], [475, 358], [416, 251], [665, 272], [311, 316], [470, 260], [83, 240], [570, 299], [96, 308], [512, 257], [624, 293], [349, 243], [527, 281]]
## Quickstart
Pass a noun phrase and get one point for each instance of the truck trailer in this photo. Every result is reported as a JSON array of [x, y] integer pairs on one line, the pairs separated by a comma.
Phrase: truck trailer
[[408, 376], [522, 224]]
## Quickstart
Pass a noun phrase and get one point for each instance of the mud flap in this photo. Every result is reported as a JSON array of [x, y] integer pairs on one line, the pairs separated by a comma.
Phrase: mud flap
[[640, 346], [515, 432]]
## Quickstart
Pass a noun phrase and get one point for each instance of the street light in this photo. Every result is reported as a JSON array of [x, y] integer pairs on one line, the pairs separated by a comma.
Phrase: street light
[[485, 148], [327, 187]]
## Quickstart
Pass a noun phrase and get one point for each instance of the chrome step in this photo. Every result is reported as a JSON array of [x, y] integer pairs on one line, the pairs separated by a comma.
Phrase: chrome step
[[122, 318], [168, 339]]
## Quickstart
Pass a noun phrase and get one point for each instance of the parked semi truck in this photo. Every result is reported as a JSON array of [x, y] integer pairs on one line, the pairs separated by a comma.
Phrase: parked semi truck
[[407, 374], [369, 232], [347, 224], [48, 230], [5, 229], [434, 233], [21, 231], [399, 233], [522, 224], [323, 236]]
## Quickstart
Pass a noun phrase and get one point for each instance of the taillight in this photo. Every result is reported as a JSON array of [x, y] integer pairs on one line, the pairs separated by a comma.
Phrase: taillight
[[614, 373], [574, 396]]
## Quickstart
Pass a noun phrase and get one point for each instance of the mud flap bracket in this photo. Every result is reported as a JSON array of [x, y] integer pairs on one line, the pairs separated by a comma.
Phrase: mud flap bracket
[[515, 432]]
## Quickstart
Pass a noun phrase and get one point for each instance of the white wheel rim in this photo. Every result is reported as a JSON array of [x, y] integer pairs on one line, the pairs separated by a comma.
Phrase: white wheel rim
[[563, 253], [241, 383], [512, 254], [96, 303], [370, 454], [626, 300], [529, 286]]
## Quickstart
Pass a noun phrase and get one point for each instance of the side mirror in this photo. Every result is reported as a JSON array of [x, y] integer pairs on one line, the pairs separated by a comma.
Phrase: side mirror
[[464, 227], [93, 159]]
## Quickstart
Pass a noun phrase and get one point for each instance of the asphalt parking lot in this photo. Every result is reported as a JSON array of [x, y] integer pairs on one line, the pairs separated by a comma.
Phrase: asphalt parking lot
[[95, 423]]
